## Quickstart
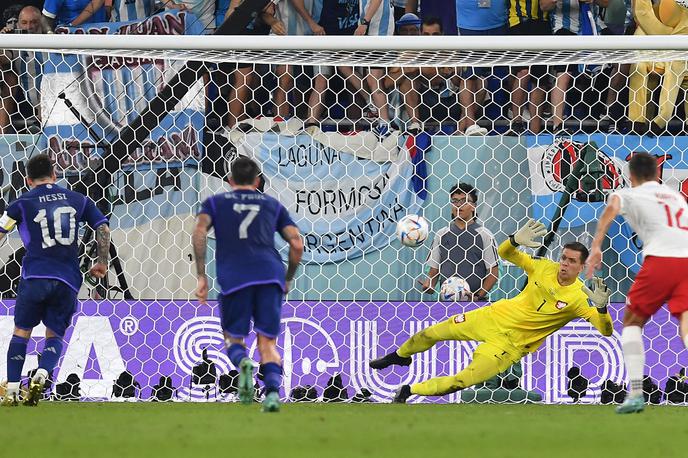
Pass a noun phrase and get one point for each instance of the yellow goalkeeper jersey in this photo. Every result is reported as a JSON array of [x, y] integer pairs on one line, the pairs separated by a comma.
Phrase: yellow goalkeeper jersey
[[544, 305]]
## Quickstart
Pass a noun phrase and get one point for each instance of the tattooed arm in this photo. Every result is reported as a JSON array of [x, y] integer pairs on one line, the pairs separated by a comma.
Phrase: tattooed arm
[[99, 269], [199, 240]]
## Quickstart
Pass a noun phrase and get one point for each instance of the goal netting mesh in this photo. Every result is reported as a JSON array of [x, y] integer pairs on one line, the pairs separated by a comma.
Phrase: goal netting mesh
[[350, 140]]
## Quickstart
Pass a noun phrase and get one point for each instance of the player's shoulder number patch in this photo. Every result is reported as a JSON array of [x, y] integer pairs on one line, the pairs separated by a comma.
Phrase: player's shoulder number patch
[[460, 318]]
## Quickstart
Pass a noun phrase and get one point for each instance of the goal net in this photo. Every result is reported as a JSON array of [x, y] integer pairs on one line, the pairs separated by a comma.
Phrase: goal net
[[351, 134]]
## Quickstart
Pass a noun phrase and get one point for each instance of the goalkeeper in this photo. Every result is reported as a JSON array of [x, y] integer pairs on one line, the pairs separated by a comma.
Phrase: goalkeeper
[[509, 329]]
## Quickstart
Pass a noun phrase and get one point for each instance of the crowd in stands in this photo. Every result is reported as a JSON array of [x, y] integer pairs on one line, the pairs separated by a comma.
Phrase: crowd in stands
[[466, 100]]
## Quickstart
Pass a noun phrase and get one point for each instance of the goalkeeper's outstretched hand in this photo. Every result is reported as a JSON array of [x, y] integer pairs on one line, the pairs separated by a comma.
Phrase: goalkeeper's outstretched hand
[[599, 295], [527, 234]]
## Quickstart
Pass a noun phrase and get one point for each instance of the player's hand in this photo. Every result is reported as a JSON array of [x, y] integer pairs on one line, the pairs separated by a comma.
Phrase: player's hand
[[599, 295], [527, 234], [426, 286], [99, 270], [287, 286], [202, 289], [594, 262]]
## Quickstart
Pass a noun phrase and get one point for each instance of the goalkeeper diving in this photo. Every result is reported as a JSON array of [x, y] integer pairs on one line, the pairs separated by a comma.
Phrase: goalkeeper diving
[[509, 329]]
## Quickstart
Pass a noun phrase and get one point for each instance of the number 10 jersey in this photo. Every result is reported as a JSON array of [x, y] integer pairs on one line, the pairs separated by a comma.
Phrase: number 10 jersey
[[47, 217]]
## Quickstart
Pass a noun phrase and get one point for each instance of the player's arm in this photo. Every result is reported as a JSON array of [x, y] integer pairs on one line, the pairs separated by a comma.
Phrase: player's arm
[[99, 269], [525, 236], [9, 220], [199, 240], [292, 236], [599, 316], [300, 8], [610, 212]]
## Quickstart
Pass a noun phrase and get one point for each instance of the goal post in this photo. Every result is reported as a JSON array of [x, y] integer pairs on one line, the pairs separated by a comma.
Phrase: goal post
[[365, 131]]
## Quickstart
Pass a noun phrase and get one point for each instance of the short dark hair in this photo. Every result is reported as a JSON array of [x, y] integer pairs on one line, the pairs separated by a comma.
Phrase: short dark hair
[[465, 188], [433, 20], [39, 166], [643, 166], [244, 171], [579, 247]]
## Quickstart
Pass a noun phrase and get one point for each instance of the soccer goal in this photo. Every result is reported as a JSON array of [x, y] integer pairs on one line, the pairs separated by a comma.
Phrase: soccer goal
[[352, 134]]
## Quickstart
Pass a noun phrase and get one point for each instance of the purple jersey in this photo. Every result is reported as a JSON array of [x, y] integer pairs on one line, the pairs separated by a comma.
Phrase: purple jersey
[[47, 218], [245, 224]]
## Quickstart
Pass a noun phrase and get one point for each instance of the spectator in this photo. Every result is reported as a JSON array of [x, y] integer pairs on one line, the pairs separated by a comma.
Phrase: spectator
[[484, 18], [526, 17], [243, 75], [337, 17], [301, 18], [204, 10], [568, 20], [121, 10], [465, 248], [377, 19], [22, 70], [405, 79], [64, 12], [399, 9], [435, 8]]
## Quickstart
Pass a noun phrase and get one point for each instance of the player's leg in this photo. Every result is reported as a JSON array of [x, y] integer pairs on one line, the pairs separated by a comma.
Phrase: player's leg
[[644, 299], [235, 316], [285, 82], [465, 326], [266, 322], [488, 361], [28, 311], [60, 305]]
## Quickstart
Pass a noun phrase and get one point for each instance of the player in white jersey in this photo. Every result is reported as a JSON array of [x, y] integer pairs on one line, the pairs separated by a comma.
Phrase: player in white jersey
[[659, 215]]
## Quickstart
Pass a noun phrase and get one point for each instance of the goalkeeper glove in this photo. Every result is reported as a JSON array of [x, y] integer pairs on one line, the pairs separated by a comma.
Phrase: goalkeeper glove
[[599, 294], [527, 234]]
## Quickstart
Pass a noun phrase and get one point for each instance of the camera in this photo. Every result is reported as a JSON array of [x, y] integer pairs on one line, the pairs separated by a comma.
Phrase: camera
[[20, 31]]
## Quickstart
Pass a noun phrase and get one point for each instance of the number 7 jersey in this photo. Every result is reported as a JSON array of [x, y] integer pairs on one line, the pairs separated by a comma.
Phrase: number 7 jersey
[[659, 215], [245, 223], [47, 218]]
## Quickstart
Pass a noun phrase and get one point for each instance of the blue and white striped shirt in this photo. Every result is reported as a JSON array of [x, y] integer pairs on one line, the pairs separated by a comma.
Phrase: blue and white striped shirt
[[567, 15], [131, 10], [382, 22], [293, 21]]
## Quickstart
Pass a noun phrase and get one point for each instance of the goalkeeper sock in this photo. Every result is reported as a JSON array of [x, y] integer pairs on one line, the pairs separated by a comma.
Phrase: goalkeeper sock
[[236, 353], [634, 357], [51, 354], [272, 376], [16, 354]]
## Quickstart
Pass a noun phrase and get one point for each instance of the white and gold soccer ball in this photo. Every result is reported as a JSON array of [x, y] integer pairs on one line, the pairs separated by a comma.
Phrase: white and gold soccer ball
[[455, 289], [412, 230]]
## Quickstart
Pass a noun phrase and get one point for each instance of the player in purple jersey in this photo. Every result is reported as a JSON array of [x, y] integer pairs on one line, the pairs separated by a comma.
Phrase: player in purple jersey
[[47, 218], [250, 272]]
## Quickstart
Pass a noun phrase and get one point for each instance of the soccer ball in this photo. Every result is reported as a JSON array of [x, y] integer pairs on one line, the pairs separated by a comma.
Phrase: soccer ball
[[455, 289], [412, 230], [682, 3]]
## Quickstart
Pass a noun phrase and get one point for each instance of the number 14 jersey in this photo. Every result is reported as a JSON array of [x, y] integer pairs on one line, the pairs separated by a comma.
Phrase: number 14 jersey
[[659, 215], [245, 223], [47, 218]]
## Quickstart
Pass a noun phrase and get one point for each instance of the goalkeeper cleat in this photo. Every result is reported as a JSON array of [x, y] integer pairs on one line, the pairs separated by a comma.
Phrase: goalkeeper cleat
[[392, 359], [402, 394], [10, 400], [35, 392], [635, 404], [246, 381], [271, 403]]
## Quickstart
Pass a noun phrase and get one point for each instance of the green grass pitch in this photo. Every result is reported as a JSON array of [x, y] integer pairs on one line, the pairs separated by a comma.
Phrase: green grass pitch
[[340, 430]]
